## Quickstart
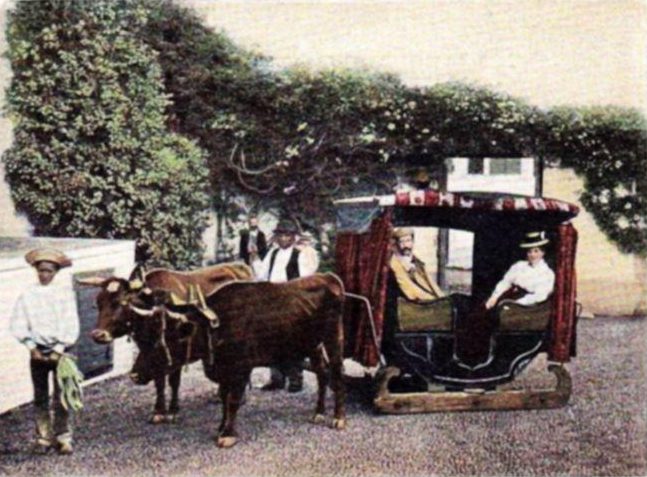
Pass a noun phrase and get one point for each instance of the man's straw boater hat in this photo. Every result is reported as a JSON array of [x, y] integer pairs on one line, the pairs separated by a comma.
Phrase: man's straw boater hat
[[402, 232], [47, 255], [534, 239]]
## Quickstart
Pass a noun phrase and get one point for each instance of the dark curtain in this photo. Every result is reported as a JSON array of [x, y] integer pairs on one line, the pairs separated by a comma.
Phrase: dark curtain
[[564, 319], [362, 264]]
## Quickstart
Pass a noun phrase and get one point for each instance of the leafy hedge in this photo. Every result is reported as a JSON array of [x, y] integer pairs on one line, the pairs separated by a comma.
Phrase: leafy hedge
[[290, 140], [92, 156], [607, 146], [325, 134]]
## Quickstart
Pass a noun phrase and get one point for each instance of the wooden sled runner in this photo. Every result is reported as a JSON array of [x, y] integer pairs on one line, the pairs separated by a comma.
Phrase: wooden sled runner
[[387, 402]]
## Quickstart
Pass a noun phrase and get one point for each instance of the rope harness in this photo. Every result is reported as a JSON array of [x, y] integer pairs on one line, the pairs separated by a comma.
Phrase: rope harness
[[161, 342]]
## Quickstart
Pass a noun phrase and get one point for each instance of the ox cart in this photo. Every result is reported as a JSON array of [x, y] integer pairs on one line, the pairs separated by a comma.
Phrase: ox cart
[[431, 357]]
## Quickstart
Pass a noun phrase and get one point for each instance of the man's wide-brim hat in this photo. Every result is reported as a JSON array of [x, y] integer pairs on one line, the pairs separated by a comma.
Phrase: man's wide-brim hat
[[402, 232], [534, 239], [48, 255], [286, 227]]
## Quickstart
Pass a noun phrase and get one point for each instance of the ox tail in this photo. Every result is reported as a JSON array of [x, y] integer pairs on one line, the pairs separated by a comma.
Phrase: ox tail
[[371, 321]]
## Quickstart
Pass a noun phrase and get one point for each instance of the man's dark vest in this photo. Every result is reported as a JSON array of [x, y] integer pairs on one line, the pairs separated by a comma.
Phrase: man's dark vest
[[292, 270], [261, 245]]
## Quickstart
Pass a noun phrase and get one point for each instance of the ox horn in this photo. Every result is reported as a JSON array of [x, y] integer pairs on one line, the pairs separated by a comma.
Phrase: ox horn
[[92, 281]]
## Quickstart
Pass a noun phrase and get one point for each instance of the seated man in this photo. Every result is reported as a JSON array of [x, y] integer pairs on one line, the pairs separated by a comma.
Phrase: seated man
[[409, 271]]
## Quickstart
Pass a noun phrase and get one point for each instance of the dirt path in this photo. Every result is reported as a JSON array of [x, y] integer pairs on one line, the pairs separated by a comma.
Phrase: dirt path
[[601, 432]]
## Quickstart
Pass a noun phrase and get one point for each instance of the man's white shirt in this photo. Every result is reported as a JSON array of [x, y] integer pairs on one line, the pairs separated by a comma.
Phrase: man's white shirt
[[46, 315], [406, 261], [308, 262], [538, 280]]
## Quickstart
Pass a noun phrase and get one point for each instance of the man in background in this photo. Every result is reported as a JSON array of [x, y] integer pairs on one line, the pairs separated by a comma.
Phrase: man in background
[[283, 263], [253, 244]]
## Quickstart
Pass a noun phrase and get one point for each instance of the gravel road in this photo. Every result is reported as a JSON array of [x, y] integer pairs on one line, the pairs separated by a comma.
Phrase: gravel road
[[601, 432]]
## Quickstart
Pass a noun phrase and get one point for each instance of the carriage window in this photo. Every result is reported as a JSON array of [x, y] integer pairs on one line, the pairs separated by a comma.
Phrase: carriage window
[[505, 166], [458, 265], [476, 165]]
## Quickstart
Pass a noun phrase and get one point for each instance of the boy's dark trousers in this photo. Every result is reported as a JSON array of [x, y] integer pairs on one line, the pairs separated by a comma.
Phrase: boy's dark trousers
[[61, 430]]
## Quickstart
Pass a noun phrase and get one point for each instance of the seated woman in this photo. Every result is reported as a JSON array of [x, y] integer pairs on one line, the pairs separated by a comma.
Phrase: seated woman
[[528, 281]]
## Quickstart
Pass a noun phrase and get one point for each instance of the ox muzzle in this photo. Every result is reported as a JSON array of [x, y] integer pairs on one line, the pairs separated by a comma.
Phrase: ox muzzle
[[138, 378], [101, 336]]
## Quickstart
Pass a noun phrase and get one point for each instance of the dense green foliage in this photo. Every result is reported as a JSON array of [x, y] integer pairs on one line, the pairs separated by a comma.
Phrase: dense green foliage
[[289, 140], [92, 155], [608, 148]]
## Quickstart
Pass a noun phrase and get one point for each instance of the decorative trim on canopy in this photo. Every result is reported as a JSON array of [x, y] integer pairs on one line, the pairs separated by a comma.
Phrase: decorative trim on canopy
[[465, 200]]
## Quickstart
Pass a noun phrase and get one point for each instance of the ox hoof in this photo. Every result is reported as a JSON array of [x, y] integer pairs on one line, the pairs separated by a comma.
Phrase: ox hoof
[[170, 418], [225, 442], [157, 419], [318, 419], [339, 424]]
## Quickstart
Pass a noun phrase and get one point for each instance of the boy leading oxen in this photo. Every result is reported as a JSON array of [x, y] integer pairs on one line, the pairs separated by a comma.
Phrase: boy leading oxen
[[253, 324]]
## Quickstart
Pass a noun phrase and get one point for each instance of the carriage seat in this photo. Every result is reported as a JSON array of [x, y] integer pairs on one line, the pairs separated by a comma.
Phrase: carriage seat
[[435, 315], [513, 316]]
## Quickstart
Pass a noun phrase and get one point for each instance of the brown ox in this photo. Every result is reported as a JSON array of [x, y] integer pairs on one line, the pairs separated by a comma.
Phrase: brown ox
[[118, 307], [257, 324]]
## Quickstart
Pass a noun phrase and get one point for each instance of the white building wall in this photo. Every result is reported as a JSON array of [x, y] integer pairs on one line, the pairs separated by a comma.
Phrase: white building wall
[[15, 276], [460, 180]]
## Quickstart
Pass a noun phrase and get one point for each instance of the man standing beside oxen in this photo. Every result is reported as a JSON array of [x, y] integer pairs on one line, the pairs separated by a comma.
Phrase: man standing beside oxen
[[283, 263], [45, 320]]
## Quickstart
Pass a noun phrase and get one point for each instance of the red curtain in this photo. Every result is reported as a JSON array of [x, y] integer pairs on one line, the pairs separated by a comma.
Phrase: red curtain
[[362, 264], [564, 319]]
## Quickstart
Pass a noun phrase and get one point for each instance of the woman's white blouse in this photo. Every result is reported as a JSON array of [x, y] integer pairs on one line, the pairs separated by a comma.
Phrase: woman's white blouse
[[538, 280]]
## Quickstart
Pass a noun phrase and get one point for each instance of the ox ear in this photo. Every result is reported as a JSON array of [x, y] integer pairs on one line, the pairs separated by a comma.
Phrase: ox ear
[[92, 281]]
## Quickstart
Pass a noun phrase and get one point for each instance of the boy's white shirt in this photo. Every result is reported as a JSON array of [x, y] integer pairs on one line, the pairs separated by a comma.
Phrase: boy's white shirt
[[46, 316]]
